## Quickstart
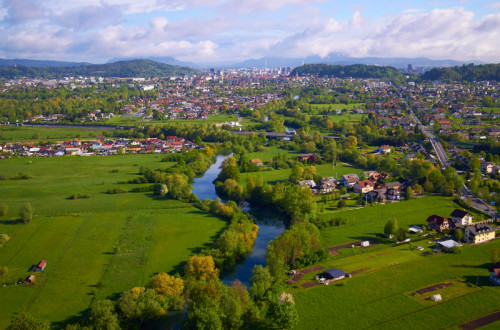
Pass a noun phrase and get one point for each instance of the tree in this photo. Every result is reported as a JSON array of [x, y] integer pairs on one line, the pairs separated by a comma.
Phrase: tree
[[27, 322], [166, 285], [459, 234], [3, 271], [261, 282], [284, 314], [341, 203], [3, 209], [26, 213], [409, 193], [4, 238], [161, 189], [201, 268], [391, 227], [102, 316]]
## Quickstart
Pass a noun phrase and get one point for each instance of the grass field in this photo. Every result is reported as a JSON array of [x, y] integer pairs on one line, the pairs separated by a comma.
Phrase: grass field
[[121, 120], [368, 222], [95, 247], [379, 297], [26, 133]]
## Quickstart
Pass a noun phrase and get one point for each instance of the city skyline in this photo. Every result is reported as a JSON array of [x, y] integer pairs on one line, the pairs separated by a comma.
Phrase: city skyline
[[227, 31]]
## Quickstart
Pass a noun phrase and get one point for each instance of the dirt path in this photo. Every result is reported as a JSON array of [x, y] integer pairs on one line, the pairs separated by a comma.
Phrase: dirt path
[[481, 322], [434, 287], [334, 249], [301, 272]]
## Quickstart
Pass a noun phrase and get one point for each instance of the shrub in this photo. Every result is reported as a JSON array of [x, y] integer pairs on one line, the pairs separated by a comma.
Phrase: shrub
[[79, 196], [118, 190], [4, 238]]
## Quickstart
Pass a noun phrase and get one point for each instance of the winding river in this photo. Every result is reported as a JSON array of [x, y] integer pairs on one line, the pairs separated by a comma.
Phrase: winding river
[[269, 228]]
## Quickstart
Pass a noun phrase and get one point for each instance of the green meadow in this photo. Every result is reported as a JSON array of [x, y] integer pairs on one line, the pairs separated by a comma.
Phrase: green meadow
[[122, 120], [27, 133], [95, 247], [381, 297], [368, 222]]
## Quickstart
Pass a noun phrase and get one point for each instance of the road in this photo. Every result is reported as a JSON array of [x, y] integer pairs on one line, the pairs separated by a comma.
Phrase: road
[[466, 193]]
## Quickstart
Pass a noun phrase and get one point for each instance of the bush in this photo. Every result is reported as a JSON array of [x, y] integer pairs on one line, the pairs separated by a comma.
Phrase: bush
[[79, 196], [4, 238], [118, 190], [21, 176], [26, 213], [143, 188]]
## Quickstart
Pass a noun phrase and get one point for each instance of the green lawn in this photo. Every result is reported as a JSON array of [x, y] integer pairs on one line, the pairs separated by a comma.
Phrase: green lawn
[[122, 120], [95, 247], [368, 222], [380, 296], [26, 133]]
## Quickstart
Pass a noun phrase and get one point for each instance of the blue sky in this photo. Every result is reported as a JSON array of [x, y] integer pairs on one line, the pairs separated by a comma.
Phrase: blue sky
[[233, 30]]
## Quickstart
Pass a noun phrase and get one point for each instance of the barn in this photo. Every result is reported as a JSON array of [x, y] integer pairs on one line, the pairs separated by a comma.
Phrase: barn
[[331, 275]]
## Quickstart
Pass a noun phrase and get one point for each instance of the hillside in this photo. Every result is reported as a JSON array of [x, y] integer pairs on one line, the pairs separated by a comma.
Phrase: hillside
[[123, 69], [345, 71], [469, 72], [39, 63]]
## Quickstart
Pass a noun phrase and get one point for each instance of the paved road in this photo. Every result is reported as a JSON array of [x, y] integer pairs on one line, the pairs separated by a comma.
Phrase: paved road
[[466, 193]]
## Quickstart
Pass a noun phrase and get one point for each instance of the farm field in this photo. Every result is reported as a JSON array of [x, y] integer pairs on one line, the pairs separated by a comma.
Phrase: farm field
[[368, 222], [27, 133], [380, 297], [121, 120], [96, 247]]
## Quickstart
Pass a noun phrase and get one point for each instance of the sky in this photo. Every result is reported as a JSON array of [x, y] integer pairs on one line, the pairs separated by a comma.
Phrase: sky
[[204, 31]]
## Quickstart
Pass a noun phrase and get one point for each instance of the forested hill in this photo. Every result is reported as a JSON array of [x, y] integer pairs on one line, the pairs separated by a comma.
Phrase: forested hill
[[469, 72], [345, 71], [123, 69]]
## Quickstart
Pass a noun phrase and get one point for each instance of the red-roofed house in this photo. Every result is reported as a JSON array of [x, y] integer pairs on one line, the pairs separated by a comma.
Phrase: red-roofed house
[[41, 266], [363, 186], [438, 223]]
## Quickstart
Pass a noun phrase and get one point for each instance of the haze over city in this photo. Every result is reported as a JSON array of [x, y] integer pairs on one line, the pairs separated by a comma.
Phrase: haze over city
[[217, 31]]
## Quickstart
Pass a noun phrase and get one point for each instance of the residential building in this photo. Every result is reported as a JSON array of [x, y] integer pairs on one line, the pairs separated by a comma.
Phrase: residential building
[[479, 233], [461, 218], [438, 223]]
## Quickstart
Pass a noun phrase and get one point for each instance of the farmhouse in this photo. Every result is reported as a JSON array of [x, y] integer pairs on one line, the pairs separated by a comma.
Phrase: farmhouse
[[438, 223], [495, 273], [349, 180], [40, 267], [363, 186], [331, 275], [479, 233], [393, 194], [461, 218], [307, 158]]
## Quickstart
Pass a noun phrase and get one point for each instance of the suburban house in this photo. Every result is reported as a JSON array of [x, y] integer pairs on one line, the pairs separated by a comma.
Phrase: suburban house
[[495, 273], [377, 195], [438, 223], [363, 186], [385, 149], [461, 218], [487, 167], [40, 267], [307, 183], [349, 180], [447, 245], [327, 185], [331, 275], [307, 158], [257, 161], [479, 233], [393, 194]]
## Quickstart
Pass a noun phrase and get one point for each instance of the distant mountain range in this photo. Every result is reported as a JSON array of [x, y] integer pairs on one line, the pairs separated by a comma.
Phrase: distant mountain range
[[269, 62], [124, 69], [39, 63]]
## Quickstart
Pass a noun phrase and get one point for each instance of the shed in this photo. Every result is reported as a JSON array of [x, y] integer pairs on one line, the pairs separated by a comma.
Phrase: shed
[[447, 245], [436, 297], [415, 229], [41, 266], [30, 279], [365, 243], [331, 275]]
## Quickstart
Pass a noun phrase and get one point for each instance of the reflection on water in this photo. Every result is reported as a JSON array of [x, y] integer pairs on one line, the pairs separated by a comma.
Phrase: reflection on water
[[269, 227]]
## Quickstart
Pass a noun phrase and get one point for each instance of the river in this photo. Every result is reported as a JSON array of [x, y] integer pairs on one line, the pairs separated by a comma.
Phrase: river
[[269, 228]]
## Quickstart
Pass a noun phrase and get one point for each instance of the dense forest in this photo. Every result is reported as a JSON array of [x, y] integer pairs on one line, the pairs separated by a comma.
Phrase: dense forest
[[344, 71], [124, 69], [468, 72]]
